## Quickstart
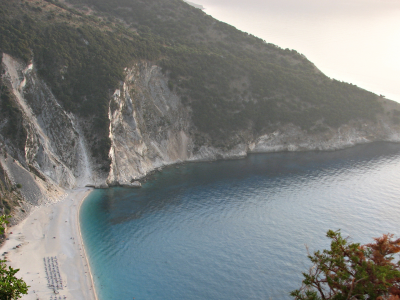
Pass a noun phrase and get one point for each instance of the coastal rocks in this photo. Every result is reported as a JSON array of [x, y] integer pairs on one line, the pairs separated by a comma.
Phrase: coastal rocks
[[207, 153], [149, 127], [101, 186], [135, 184], [293, 138]]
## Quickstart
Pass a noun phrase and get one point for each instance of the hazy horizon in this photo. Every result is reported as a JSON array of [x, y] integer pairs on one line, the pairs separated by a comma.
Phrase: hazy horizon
[[355, 41]]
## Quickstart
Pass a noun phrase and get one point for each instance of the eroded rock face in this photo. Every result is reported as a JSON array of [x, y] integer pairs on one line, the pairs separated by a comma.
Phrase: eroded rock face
[[55, 150], [292, 138], [149, 128]]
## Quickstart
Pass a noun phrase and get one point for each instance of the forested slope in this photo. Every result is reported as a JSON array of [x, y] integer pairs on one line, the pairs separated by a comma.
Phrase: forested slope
[[231, 81]]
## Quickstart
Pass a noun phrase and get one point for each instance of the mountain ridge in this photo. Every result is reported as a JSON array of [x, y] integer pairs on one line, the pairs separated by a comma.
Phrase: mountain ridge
[[92, 93]]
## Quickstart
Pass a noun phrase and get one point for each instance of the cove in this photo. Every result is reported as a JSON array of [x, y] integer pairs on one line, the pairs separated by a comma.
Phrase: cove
[[237, 229]]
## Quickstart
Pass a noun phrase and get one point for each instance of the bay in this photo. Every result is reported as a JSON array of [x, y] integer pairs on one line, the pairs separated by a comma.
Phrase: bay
[[355, 41], [237, 229]]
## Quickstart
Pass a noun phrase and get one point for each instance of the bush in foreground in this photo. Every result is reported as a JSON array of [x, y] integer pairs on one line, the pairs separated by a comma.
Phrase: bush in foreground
[[353, 271], [11, 287]]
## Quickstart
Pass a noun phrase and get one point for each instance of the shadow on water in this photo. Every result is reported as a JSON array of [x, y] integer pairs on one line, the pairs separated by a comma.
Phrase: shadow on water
[[236, 229], [167, 188]]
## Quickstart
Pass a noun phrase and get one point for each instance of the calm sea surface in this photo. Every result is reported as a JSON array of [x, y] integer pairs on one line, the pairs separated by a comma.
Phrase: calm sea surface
[[237, 229], [356, 41]]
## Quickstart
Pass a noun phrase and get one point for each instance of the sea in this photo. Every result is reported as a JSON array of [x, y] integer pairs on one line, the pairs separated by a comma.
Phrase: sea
[[242, 229], [237, 229], [356, 41]]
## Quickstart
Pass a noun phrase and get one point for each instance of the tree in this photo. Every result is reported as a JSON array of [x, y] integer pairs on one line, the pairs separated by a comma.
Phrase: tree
[[353, 271], [3, 220], [11, 287]]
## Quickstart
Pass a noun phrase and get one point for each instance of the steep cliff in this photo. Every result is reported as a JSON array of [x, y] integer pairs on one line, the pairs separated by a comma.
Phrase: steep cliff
[[149, 128], [94, 94], [53, 155]]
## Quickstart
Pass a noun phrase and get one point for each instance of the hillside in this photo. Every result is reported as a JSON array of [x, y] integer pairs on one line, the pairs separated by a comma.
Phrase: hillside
[[214, 67], [109, 90]]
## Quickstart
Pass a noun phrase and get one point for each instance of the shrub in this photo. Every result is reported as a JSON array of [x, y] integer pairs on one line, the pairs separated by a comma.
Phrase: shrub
[[353, 271]]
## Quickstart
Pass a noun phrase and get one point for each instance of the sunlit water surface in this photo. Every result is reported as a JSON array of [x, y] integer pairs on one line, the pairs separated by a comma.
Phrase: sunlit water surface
[[237, 229]]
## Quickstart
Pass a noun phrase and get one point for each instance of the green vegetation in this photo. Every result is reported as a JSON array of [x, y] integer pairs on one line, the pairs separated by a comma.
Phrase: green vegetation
[[8, 111], [11, 287], [353, 271], [9, 195], [3, 221], [231, 80]]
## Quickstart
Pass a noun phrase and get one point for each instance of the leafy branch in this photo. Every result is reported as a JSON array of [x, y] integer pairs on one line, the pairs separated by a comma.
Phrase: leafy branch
[[352, 271]]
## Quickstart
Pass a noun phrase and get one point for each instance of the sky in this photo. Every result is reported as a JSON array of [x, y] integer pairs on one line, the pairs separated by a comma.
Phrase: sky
[[356, 41]]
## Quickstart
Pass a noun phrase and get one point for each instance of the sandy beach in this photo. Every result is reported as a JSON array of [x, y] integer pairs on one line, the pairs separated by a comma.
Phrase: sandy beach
[[50, 241]]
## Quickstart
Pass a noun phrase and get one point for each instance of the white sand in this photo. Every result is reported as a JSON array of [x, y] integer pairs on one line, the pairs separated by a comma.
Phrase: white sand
[[35, 233]]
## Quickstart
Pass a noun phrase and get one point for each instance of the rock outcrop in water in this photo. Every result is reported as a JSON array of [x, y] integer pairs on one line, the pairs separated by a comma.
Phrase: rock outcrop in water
[[149, 129]]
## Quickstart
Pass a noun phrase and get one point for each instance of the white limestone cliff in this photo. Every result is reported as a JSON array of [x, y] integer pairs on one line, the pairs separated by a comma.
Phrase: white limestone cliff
[[149, 129], [55, 150]]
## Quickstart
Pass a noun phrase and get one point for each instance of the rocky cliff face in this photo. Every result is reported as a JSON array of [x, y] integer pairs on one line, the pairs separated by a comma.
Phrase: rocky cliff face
[[149, 128], [55, 156]]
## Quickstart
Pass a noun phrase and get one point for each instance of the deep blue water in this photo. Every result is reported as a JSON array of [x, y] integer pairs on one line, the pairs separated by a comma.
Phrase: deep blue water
[[237, 229]]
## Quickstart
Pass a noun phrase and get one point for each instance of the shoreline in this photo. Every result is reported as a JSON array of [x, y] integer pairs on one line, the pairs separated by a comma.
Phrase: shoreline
[[52, 232], [83, 246], [61, 220], [148, 176]]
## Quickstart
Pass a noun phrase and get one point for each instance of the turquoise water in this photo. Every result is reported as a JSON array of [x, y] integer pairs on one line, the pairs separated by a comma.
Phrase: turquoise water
[[237, 229]]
